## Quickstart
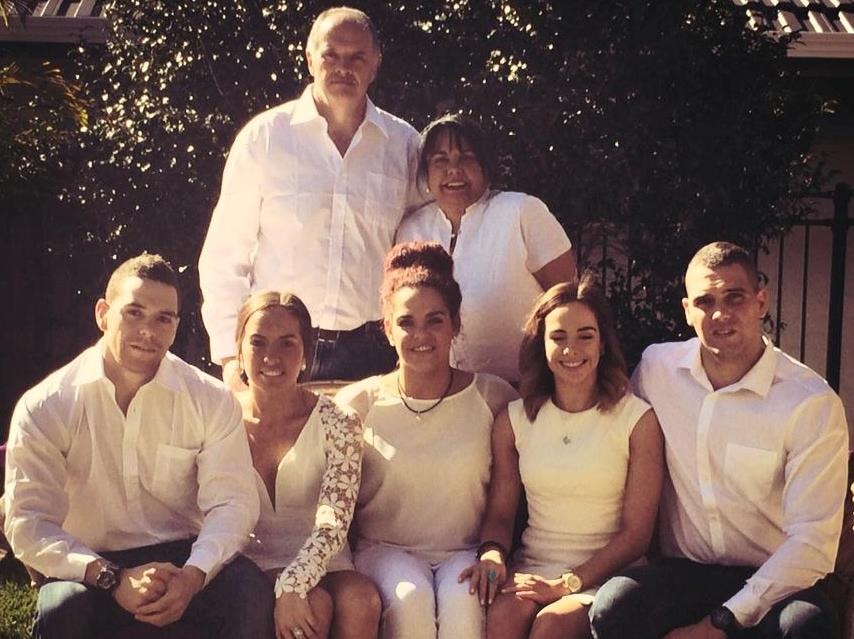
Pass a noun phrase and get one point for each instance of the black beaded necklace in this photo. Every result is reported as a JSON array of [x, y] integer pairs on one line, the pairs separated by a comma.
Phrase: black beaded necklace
[[419, 413]]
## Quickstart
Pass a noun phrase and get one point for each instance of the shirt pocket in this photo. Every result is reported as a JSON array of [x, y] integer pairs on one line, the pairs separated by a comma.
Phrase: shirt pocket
[[386, 199], [750, 472], [175, 480]]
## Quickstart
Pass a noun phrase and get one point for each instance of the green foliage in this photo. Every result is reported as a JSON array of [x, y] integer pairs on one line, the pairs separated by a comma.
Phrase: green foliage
[[40, 112], [648, 126]]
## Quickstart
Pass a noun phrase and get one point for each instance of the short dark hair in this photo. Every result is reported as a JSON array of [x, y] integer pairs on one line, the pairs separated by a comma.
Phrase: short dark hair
[[262, 300], [718, 254], [460, 128], [420, 265], [147, 266], [355, 15], [537, 382]]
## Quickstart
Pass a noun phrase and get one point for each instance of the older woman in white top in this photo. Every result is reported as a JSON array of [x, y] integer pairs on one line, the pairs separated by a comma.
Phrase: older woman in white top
[[507, 247], [427, 458], [307, 456], [589, 456]]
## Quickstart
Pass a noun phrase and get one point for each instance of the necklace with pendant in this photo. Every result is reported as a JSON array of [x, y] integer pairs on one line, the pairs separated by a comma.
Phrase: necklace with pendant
[[419, 413]]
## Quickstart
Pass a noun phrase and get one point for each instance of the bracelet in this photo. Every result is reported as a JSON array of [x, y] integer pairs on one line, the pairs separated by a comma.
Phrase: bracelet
[[492, 545]]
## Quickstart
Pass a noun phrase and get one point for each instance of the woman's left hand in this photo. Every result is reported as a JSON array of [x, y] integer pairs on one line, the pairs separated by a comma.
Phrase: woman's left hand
[[294, 617], [486, 576], [543, 591]]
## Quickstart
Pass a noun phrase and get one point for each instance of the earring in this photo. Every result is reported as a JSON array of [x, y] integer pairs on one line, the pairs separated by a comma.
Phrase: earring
[[304, 366]]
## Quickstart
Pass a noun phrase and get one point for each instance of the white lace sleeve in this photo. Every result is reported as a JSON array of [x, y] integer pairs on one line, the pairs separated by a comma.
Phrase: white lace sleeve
[[336, 502]]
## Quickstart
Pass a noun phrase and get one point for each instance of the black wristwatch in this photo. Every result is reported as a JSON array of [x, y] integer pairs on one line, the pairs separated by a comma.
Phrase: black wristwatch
[[108, 576], [723, 619]]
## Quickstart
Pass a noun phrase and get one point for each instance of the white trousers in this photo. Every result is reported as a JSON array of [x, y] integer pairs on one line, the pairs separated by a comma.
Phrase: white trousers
[[422, 600]]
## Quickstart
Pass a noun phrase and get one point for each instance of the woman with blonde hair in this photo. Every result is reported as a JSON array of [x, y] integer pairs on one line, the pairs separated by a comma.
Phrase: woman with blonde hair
[[587, 453]]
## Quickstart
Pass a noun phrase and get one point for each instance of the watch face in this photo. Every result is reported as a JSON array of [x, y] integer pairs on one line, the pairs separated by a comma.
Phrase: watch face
[[572, 582], [107, 577]]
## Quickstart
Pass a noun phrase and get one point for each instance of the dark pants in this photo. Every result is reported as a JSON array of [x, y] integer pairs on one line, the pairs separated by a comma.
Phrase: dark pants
[[647, 602], [236, 604], [350, 355]]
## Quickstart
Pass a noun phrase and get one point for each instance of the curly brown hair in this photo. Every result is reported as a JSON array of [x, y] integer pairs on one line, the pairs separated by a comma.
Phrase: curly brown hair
[[537, 382]]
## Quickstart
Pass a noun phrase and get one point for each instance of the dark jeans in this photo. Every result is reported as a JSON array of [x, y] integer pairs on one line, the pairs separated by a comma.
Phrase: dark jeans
[[351, 355], [236, 604], [647, 602]]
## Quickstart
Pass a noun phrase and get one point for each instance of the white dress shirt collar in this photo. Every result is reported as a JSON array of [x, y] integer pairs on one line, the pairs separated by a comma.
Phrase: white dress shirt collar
[[92, 370], [758, 379], [306, 111]]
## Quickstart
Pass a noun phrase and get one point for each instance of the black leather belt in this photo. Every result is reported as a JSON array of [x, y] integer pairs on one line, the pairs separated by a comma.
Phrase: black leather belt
[[333, 336]]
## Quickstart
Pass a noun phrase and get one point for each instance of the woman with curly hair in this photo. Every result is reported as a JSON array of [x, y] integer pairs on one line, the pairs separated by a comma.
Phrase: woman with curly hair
[[426, 464]]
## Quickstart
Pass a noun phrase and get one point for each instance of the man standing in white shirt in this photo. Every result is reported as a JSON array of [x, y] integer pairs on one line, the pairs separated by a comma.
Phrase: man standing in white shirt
[[312, 193], [129, 481], [756, 448]]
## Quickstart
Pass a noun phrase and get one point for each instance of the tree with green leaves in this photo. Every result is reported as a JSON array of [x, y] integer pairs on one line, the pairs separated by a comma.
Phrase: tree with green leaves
[[648, 127]]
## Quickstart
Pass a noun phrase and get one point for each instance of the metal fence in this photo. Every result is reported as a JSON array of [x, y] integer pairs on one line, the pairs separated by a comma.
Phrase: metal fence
[[807, 269], [811, 306]]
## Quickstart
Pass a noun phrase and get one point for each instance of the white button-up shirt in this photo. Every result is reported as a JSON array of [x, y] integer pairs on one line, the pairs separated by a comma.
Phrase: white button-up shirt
[[757, 470], [82, 478], [503, 239], [294, 214]]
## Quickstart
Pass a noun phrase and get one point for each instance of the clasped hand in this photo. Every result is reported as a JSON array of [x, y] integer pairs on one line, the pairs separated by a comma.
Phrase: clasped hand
[[158, 593]]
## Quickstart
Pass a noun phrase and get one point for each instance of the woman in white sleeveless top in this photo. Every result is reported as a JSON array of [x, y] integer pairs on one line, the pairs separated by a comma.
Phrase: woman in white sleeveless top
[[427, 456], [589, 456], [307, 457]]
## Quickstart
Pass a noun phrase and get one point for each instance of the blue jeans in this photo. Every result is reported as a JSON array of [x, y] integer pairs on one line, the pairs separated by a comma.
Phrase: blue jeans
[[647, 602], [355, 354], [236, 604]]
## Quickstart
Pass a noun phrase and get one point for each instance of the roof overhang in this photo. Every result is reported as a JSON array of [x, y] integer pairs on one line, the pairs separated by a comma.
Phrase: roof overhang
[[55, 21], [825, 28]]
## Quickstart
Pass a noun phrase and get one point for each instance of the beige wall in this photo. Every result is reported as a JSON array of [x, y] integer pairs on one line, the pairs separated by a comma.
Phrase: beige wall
[[839, 152]]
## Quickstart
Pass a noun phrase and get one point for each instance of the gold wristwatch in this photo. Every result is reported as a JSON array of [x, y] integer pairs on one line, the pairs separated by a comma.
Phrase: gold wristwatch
[[572, 582]]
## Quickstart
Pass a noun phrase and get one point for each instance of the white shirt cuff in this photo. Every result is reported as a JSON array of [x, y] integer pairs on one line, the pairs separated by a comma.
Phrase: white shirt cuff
[[747, 608], [75, 569]]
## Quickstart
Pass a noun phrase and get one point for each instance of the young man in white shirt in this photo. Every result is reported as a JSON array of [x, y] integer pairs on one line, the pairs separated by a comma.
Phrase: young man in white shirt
[[312, 193], [757, 448], [129, 481]]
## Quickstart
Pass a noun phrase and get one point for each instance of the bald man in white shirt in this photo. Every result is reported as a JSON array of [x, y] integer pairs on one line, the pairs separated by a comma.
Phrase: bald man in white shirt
[[312, 193], [129, 482], [757, 448]]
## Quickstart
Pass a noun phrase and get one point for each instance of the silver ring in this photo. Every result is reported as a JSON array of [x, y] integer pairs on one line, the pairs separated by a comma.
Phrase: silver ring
[[297, 632], [491, 576]]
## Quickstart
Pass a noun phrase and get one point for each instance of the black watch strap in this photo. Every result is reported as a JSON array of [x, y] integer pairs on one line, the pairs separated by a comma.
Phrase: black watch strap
[[723, 619]]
